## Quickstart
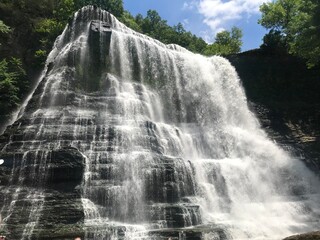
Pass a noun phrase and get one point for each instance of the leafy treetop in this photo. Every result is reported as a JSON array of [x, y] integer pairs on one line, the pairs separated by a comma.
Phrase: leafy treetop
[[296, 26]]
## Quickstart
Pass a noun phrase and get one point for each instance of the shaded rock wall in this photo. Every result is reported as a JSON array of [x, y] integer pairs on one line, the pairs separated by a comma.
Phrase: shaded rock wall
[[307, 236], [284, 94]]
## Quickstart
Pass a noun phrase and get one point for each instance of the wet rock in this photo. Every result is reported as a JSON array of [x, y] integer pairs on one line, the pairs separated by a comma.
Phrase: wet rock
[[176, 215], [306, 236], [194, 233], [65, 170]]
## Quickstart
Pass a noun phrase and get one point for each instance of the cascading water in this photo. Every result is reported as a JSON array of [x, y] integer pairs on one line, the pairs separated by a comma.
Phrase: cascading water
[[128, 138]]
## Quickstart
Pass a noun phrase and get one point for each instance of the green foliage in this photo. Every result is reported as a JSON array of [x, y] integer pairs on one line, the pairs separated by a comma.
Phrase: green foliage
[[64, 10], [4, 28], [279, 14], [49, 27], [130, 21], [226, 43], [296, 24], [40, 57], [12, 76], [154, 26], [274, 41], [34, 26], [197, 44], [47, 30]]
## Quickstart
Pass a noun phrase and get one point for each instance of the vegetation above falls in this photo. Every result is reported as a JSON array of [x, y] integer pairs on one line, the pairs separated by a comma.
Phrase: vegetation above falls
[[28, 29], [294, 28]]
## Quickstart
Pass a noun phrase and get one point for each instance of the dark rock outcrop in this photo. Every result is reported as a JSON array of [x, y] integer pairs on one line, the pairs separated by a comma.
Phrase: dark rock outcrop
[[66, 168], [306, 236], [284, 94]]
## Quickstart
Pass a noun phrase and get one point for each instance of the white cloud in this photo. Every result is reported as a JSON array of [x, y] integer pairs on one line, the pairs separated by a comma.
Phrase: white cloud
[[190, 5], [207, 35], [185, 22], [218, 13], [185, 6]]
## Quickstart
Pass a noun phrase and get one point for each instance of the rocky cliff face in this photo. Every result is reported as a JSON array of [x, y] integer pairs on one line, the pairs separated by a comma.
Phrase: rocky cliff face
[[284, 95], [296, 130], [307, 236]]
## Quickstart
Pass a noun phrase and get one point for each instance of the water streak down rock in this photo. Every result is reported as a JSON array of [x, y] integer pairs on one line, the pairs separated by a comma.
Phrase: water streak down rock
[[128, 138]]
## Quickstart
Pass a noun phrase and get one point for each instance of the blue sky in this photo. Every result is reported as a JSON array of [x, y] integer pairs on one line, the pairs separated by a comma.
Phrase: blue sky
[[207, 17]]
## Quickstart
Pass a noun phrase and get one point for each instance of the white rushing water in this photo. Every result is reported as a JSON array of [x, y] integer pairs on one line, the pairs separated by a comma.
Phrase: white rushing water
[[168, 142], [241, 180]]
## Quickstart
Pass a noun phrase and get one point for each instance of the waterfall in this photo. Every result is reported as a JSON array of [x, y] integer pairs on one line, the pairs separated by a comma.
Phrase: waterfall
[[128, 138]]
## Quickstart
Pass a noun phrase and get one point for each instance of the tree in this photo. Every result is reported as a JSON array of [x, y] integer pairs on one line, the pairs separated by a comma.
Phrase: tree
[[306, 29], [153, 23], [274, 41], [64, 10], [297, 22], [130, 21], [12, 77], [154, 26], [279, 15], [179, 28], [197, 44], [226, 43]]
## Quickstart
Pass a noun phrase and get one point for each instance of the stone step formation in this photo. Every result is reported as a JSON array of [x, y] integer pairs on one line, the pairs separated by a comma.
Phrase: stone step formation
[[128, 138]]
